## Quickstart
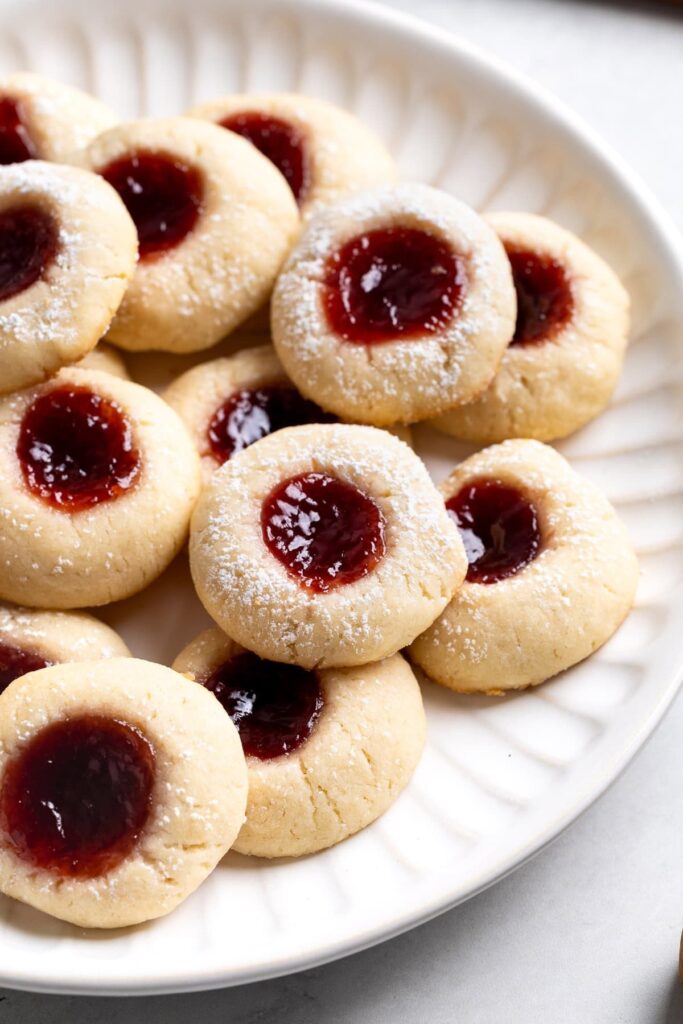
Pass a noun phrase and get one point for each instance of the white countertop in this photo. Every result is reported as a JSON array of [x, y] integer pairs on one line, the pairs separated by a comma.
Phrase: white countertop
[[588, 932]]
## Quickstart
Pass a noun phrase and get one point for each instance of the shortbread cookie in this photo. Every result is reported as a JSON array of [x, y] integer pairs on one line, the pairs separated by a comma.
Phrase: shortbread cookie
[[122, 785], [570, 338], [228, 404], [327, 752], [394, 304], [67, 251], [215, 221], [552, 572], [324, 546], [98, 479], [41, 119], [322, 151], [31, 639], [107, 359]]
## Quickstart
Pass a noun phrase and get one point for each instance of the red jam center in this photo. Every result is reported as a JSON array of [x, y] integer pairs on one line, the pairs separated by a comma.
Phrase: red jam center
[[324, 531], [499, 529], [16, 662], [28, 244], [252, 413], [280, 141], [163, 196], [392, 283], [76, 797], [275, 707], [544, 297], [76, 449], [16, 144]]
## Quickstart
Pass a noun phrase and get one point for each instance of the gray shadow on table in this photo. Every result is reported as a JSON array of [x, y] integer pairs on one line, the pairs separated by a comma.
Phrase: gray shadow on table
[[672, 1010]]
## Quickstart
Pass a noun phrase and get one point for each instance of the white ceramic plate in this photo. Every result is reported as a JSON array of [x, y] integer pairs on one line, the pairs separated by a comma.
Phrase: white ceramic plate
[[499, 778]]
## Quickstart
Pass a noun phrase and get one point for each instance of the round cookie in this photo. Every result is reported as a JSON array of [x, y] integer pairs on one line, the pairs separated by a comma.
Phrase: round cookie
[[67, 251], [327, 752], [228, 404], [98, 479], [146, 784], [563, 364], [215, 221], [107, 359], [323, 151], [394, 305], [30, 640], [552, 572], [324, 546], [41, 119]]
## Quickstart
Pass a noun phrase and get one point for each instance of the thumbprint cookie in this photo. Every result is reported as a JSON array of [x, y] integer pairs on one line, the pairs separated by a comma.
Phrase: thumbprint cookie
[[228, 404], [552, 572], [41, 119], [31, 639], [324, 546], [122, 784], [327, 751], [107, 359], [67, 251], [98, 479], [566, 354], [323, 152], [214, 219], [394, 303]]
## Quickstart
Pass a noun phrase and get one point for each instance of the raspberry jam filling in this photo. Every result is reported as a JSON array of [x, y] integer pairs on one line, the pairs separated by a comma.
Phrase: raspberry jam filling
[[499, 529], [16, 144], [163, 196], [544, 296], [392, 283], [324, 531], [29, 239], [252, 413], [77, 796], [275, 707], [282, 142], [76, 449], [16, 662]]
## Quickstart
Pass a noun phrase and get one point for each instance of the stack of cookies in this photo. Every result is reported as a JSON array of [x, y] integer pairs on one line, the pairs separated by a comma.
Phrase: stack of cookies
[[333, 568]]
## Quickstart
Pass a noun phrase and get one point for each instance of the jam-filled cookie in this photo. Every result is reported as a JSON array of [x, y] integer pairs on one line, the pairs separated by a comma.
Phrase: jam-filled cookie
[[31, 639], [552, 572], [565, 357], [122, 785], [214, 219], [107, 359], [327, 751], [394, 304], [228, 404], [322, 151], [98, 479], [324, 546], [67, 251], [41, 119]]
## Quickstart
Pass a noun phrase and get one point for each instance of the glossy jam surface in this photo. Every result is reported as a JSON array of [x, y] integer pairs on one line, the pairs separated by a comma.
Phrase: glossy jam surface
[[163, 196], [76, 797], [17, 661], [76, 449], [544, 297], [16, 144], [392, 283], [324, 531], [275, 707], [499, 529], [252, 413], [283, 143], [29, 239]]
